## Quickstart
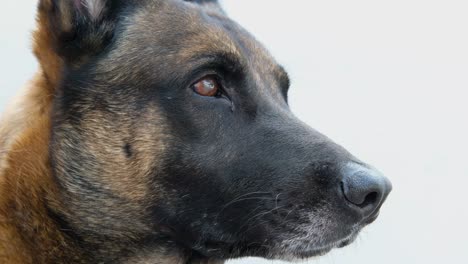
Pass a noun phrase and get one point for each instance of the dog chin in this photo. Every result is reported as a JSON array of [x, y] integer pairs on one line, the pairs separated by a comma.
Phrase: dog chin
[[291, 250], [297, 248], [298, 251]]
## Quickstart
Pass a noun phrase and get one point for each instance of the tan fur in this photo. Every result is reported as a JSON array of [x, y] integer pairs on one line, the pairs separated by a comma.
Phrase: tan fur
[[26, 185], [36, 98], [27, 233]]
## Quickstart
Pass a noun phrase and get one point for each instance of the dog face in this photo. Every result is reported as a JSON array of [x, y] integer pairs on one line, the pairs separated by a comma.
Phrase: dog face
[[172, 122]]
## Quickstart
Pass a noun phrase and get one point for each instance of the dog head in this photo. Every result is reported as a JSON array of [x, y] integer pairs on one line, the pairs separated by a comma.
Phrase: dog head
[[171, 121]]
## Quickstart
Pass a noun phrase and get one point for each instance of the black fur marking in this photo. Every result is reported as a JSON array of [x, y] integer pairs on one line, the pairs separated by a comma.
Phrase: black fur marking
[[128, 150]]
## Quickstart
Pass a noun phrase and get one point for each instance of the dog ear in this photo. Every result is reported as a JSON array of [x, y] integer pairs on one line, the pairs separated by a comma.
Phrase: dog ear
[[79, 28]]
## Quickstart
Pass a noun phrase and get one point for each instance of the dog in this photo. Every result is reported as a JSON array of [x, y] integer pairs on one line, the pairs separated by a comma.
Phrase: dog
[[159, 131]]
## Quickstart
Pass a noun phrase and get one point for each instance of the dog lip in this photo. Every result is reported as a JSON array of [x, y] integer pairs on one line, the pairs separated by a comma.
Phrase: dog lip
[[372, 218], [315, 253], [325, 249], [345, 243]]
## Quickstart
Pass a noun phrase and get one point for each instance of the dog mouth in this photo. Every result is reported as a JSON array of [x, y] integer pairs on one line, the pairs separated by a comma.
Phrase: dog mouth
[[304, 249], [294, 245], [292, 250], [372, 218], [307, 250]]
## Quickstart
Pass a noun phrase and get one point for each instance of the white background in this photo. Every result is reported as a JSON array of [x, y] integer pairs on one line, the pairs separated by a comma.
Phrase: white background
[[386, 79]]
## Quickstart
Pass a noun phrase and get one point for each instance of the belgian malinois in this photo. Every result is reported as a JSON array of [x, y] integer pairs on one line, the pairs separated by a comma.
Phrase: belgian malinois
[[158, 131]]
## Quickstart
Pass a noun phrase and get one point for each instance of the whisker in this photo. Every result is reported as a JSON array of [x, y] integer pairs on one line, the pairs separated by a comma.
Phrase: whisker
[[241, 198], [259, 215]]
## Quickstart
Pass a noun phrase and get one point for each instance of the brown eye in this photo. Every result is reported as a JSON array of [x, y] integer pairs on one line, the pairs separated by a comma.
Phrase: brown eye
[[207, 86]]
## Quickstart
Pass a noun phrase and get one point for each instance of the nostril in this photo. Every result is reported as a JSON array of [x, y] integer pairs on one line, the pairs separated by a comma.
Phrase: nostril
[[370, 199]]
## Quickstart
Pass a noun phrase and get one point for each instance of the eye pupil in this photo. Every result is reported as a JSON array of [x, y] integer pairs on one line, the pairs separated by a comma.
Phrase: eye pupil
[[206, 87]]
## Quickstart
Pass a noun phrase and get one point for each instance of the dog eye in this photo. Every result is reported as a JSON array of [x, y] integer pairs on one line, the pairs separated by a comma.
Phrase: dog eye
[[208, 86]]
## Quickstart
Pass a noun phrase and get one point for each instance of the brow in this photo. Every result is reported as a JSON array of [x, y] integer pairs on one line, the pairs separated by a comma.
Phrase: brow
[[228, 61], [283, 78]]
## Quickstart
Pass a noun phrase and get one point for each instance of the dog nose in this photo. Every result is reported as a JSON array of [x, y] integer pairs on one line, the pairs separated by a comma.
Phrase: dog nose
[[364, 189]]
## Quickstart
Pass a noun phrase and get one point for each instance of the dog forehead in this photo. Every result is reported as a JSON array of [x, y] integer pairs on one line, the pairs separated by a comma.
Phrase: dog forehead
[[182, 29]]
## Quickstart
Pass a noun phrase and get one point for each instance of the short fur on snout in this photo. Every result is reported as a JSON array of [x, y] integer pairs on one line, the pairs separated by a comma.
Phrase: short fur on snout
[[110, 156]]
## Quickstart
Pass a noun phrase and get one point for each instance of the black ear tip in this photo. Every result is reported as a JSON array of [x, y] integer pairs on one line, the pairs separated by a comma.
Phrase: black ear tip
[[79, 28]]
